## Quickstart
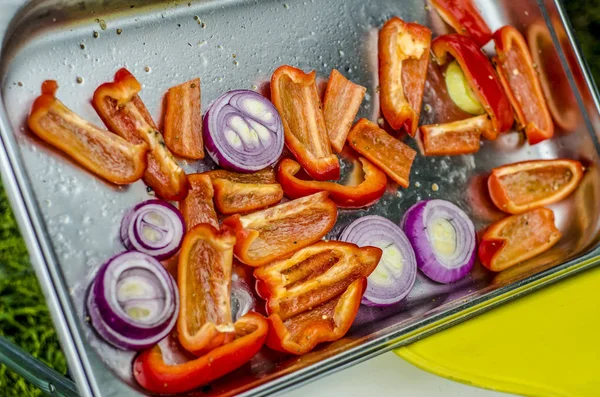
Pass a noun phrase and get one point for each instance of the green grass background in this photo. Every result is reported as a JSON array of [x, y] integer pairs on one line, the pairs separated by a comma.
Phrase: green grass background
[[24, 317]]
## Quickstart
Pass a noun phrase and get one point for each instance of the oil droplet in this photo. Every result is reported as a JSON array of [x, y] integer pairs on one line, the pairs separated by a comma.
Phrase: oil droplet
[[435, 187], [82, 46], [119, 31], [417, 184], [96, 34], [147, 69], [79, 80], [20, 84], [236, 63]]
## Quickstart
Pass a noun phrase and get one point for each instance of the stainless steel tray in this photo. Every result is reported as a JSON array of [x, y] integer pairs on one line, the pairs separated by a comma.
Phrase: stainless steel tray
[[70, 219]]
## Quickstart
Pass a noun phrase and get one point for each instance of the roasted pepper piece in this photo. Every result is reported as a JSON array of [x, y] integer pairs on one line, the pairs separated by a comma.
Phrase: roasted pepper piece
[[294, 94], [240, 193], [340, 106], [276, 232], [388, 153], [198, 206], [520, 187], [325, 323], [314, 295], [517, 238], [464, 18], [123, 112], [403, 60], [100, 152], [183, 120], [366, 193], [481, 77], [521, 84], [154, 374], [204, 281], [312, 276], [454, 138]]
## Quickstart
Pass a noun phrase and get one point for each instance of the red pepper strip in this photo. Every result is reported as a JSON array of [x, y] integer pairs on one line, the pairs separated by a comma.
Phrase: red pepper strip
[[124, 113], [240, 193], [454, 138], [464, 18], [325, 323], [198, 206], [204, 281], [294, 94], [313, 276], [481, 76], [368, 192], [341, 104], [403, 60], [521, 84], [183, 120], [520, 187], [154, 374], [388, 153], [102, 153], [518, 238], [276, 232]]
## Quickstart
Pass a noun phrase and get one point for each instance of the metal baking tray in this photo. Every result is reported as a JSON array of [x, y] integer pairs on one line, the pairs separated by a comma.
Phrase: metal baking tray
[[70, 219]]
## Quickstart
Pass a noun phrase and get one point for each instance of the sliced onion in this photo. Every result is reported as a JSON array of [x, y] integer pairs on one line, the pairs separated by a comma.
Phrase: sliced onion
[[133, 301], [396, 272], [243, 131], [242, 298], [154, 227], [443, 238]]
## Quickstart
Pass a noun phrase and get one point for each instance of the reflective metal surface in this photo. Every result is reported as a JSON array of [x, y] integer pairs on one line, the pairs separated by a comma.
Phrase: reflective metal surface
[[70, 218]]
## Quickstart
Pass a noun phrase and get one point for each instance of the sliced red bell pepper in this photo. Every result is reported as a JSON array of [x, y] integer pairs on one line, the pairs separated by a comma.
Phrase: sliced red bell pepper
[[154, 374], [464, 18], [313, 296], [325, 323], [183, 120], [276, 232], [388, 153], [241, 193], [294, 94], [521, 84], [366, 193], [123, 112], [204, 281], [481, 76], [454, 138], [403, 60], [312, 276], [100, 152], [340, 107], [517, 238], [520, 187], [198, 206]]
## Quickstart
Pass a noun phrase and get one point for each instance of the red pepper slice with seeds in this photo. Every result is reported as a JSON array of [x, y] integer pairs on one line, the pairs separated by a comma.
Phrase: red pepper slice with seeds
[[123, 112]]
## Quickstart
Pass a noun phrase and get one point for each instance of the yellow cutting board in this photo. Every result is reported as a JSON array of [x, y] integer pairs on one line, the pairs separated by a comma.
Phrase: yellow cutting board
[[544, 344]]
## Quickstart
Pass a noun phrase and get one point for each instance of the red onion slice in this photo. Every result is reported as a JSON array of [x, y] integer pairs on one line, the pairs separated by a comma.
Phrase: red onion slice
[[396, 272], [133, 301], [154, 227], [243, 131], [443, 238]]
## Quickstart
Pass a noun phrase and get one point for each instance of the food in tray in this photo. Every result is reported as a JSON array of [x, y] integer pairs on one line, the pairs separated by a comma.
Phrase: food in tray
[[242, 249], [314, 295], [122, 110], [243, 131], [395, 275]]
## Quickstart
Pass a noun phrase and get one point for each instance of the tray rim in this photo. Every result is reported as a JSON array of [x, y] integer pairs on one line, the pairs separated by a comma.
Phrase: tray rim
[[73, 342]]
